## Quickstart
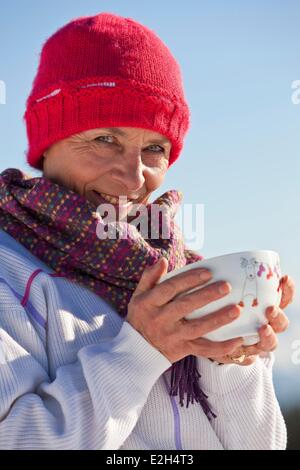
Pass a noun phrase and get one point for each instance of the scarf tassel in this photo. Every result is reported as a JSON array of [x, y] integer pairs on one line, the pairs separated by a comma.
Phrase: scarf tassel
[[185, 380]]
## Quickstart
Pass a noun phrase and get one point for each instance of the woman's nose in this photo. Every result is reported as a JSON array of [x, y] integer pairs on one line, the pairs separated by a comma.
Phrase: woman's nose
[[129, 172]]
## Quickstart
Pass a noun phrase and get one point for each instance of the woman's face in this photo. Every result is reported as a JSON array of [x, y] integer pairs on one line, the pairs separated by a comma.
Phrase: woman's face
[[119, 161]]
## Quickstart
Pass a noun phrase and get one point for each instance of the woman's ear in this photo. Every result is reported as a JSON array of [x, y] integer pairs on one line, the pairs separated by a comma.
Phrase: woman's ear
[[43, 160], [44, 156]]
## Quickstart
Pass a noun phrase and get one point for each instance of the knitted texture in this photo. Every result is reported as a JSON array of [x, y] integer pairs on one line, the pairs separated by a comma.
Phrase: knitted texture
[[104, 71], [60, 227], [75, 375]]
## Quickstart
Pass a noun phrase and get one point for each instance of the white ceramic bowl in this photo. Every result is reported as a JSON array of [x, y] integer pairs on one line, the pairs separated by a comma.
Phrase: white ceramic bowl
[[254, 277]]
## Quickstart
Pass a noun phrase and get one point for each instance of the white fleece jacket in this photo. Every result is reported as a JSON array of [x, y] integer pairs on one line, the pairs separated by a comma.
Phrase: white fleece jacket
[[75, 375]]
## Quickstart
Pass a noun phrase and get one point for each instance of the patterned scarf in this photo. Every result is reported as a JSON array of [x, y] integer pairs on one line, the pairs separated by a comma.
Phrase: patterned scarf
[[59, 227]]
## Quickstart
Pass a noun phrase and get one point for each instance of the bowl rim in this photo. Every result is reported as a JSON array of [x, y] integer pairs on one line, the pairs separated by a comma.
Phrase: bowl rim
[[240, 253], [196, 264]]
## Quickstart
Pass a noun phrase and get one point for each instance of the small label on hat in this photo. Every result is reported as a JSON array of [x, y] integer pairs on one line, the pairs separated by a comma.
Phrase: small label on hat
[[108, 84], [58, 90], [53, 93]]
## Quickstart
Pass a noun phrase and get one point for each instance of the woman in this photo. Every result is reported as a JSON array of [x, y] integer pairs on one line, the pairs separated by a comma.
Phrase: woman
[[93, 351]]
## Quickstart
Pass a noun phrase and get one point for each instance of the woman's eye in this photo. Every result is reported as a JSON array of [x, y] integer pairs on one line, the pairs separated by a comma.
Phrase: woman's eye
[[160, 149], [103, 136]]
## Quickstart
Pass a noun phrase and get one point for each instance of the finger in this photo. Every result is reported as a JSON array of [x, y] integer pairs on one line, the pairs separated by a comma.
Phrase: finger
[[288, 291], [277, 319], [185, 304], [268, 339], [165, 291], [192, 329], [248, 350], [151, 276], [206, 348]]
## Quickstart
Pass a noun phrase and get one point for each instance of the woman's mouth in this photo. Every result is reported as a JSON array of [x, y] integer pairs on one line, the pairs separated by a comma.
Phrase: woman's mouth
[[115, 200], [123, 206]]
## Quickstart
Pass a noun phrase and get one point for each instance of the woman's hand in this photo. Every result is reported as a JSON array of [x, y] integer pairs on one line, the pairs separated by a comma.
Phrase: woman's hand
[[157, 313], [278, 323]]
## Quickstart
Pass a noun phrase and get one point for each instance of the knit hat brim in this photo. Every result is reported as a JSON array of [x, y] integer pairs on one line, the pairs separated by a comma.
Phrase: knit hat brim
[[69, 108]]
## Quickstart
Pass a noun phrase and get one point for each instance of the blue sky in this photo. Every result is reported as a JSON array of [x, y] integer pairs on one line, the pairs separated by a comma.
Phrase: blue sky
[[241, 155]]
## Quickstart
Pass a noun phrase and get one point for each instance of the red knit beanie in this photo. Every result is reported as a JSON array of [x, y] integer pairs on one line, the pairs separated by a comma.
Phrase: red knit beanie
[[104, 71]]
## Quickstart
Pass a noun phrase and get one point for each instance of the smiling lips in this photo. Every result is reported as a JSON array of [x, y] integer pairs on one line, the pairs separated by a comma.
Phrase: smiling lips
[[113, 199]]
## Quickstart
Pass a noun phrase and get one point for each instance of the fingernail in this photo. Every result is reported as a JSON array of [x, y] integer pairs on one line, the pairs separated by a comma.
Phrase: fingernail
[[275, 312], [205, 275], [234, 312], [268, 330], [224, 288]]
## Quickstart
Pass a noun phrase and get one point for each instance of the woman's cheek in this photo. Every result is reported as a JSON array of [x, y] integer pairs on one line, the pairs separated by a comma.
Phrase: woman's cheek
[[95, 163], [155, 176]]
